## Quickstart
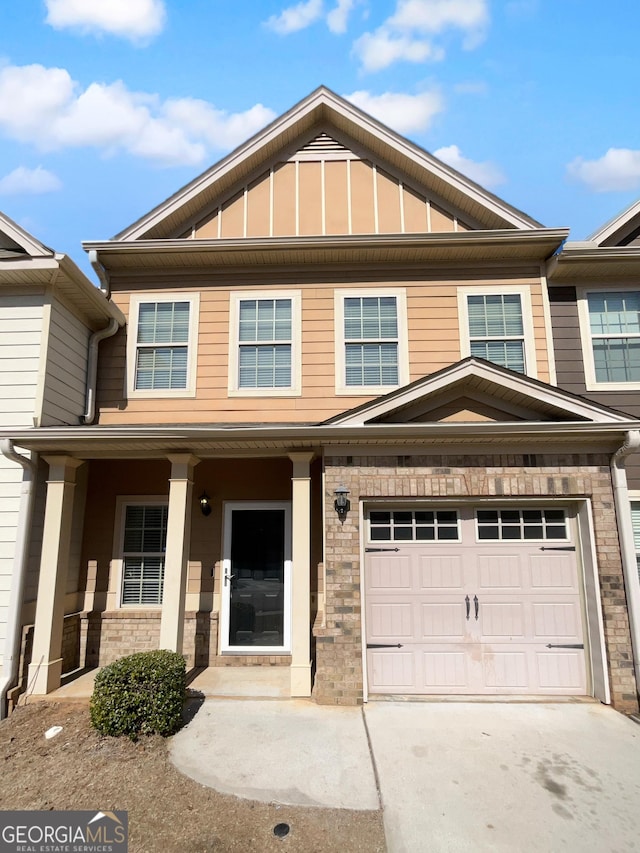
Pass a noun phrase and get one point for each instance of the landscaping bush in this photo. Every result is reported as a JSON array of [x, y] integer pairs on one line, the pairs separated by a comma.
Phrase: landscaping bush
[[140, 694]]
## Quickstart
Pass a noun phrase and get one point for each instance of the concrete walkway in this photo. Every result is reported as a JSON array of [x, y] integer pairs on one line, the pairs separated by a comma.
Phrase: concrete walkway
[[454, 777]]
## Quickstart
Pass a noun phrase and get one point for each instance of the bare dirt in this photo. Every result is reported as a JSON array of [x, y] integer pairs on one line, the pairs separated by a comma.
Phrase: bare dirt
[[79, 769]]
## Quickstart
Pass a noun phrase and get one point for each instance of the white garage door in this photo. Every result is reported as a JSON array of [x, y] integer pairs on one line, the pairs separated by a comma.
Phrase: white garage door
[[473, 601]]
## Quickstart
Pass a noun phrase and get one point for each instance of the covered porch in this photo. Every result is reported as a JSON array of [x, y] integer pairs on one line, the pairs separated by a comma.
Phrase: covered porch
[[213, 554]]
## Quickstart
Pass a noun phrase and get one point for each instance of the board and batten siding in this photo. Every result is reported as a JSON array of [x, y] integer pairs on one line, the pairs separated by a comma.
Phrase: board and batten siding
[[21, 322], [434, 343]]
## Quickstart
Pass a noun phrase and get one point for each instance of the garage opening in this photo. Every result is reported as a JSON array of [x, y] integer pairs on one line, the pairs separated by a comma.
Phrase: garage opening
[[473, 600]]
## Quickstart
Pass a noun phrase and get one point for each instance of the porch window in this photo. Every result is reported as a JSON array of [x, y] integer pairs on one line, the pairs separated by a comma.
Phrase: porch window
[[614, 326], [144, 546], [265, 344], [496, 329], [371, 335], [162, 345], [635, 522]]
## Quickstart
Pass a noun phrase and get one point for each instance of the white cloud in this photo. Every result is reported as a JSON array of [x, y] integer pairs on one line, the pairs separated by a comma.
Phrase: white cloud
[[45, 107], [617, 170], [487, 174], [410, 33], [404, 113], [337, 18], [23, 181], [380, 49], [136, 20], [297, 17]]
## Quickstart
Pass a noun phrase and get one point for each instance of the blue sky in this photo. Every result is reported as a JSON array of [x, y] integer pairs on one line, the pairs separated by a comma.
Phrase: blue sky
[[107, 107]]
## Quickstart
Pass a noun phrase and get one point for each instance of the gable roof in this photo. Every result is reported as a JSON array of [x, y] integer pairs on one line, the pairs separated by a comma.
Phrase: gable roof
[[518, 397], [26, 262], [302, 125], [619, 230]]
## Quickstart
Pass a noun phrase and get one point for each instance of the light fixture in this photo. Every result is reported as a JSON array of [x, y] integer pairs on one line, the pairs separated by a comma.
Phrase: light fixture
[[205, 505], [342, 504]]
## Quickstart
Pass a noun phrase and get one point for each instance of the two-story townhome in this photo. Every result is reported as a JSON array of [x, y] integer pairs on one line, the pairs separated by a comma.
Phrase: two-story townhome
[[52, 319], [330, 437], [594, 297]]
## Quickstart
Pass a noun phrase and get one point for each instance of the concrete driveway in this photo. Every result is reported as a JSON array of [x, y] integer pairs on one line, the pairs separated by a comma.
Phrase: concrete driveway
[[450, 776]]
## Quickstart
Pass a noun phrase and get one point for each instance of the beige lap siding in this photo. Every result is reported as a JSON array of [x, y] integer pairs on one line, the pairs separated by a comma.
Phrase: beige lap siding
[[338, 632], [432, 322]]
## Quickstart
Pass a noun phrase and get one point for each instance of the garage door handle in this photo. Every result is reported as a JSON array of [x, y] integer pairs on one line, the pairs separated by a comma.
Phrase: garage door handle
[[565, 645], [476, 604], [467, 602], [384, 645]]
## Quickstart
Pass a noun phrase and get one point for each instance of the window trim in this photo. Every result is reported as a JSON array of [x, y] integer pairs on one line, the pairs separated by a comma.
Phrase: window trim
[[122, 502], [136, 300], [591, 383], [295, 389], [524, 291], [340, 295]]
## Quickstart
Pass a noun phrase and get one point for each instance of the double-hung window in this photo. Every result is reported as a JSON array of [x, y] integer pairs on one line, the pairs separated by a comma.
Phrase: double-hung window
[[496, 326], [265, 344], [635, 523], [612, 353], [371, 341], [144, 542], [162, 345]]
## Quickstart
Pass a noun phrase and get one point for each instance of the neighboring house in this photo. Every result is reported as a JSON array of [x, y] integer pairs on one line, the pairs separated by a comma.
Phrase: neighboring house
[[330, 437], [49, 316]]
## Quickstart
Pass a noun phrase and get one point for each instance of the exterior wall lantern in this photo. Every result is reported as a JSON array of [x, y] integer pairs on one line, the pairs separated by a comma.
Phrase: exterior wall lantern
[[205, 504], [342, 504]]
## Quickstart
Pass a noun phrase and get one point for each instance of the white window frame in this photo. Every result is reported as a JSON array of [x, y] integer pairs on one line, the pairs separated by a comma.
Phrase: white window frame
[[295, 389], [122, 502], [634, 497], [342, 388], [192, 345], [585, 334], [530, 362]]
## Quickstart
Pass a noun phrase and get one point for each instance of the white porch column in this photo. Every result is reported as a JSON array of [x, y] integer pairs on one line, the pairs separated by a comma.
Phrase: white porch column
[[177, 553], [45, 668], [300, 576]]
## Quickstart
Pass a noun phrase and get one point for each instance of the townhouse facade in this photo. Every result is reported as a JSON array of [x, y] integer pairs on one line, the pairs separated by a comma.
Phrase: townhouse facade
[[51, 318], [335, 436]]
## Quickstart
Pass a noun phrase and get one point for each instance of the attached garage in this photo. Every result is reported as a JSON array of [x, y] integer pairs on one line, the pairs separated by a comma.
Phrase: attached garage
[[474, 600]]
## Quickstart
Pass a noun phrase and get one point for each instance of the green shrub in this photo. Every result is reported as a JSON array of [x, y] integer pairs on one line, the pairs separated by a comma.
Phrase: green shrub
[[140, 694]]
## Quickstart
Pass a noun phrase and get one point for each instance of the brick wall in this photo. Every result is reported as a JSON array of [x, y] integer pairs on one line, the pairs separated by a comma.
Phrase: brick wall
[[338, 633]]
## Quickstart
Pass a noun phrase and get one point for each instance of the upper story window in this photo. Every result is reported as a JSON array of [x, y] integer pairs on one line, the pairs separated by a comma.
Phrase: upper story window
[[614, 328], [496, 325], [265, 344], [371, 341], [162, 345]]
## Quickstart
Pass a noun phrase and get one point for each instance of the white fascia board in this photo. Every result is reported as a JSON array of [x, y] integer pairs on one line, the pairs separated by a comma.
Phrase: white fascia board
[[28, 242], [615, 224], [89, 290]]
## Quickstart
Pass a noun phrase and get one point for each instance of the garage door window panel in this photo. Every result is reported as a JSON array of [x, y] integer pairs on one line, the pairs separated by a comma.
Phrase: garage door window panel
[[414, 526], [520, 525]]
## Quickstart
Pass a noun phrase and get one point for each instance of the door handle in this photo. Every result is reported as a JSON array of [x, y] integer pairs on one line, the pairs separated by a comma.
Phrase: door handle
[[468, 605], [476, 605], [228, 577]]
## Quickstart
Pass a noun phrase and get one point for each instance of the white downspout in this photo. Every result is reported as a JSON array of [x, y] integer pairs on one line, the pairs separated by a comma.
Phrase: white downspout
[[11, 657], [92, 368], [627, 547]]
